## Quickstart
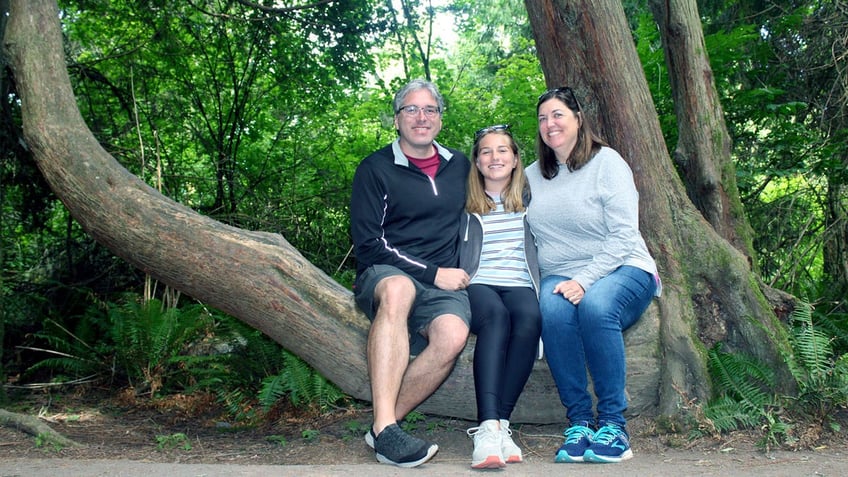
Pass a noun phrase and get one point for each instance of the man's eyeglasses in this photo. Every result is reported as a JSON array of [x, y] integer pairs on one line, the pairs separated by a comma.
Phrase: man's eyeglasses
[[413, 110], [555, 91], [487, 130]]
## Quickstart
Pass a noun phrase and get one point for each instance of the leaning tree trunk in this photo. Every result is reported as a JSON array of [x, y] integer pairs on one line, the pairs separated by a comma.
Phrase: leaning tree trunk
[[256, 277], [710, 294], [703, 150]]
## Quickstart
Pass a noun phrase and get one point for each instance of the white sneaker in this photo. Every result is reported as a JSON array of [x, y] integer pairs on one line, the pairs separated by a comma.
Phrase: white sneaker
[[510, 451], [487, 446]]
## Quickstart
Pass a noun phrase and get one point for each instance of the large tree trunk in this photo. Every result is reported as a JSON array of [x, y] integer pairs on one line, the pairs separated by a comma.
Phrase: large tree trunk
[[256, 277], [710, 293], [703, 149]]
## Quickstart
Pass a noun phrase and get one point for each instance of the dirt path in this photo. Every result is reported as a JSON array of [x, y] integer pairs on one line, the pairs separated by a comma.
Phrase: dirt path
[[184, 438], [672, 463]]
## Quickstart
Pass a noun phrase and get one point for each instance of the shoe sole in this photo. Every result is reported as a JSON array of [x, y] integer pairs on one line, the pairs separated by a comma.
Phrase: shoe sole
[[369, 439], [430, 453], [491, 462], [514, 459], [590, 456], [563, 458]]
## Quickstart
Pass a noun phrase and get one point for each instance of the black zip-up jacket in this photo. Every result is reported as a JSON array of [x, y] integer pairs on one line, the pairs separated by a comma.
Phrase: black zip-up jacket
[[400, 216]]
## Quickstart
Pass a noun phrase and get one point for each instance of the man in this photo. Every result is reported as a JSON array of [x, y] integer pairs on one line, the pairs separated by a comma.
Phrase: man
[[406, 205]]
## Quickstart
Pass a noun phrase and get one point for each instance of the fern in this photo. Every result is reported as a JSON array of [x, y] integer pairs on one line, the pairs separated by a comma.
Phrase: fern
[[69, 355], [308, 386], [299, 379], [835, 325], [726, 414], [149, 337], [811, 362], [744, 387], [271, 390], [821, 378], [743, 401], [237, 404], [303, 385], [740, 377]]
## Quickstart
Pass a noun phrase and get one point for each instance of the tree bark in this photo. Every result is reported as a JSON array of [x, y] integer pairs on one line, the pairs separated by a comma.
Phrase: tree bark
[[710, 294], [703, 150], [34, 427]]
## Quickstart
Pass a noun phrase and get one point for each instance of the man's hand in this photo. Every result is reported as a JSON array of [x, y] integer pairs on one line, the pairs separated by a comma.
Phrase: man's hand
[[451, 279]]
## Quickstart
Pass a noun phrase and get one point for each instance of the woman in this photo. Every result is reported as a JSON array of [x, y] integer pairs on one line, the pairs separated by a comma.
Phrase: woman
[[498, 254], [597, 274]]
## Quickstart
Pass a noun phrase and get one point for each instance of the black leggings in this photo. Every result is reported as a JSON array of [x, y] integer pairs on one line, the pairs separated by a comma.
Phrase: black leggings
[[507, 323]]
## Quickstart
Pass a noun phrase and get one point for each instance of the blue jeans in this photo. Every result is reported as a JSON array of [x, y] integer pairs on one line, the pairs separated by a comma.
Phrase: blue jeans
[[590, 335]]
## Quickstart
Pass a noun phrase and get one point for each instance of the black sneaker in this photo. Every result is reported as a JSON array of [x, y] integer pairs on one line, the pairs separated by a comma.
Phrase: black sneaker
[[393, 446], [370, 438]]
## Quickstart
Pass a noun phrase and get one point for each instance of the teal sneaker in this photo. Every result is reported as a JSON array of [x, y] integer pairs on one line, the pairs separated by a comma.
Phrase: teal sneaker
[[610, 444], [578, 438]]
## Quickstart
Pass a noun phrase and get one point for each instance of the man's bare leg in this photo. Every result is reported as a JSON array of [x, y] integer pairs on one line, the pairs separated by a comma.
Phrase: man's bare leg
[[447, 335], [388, 347]]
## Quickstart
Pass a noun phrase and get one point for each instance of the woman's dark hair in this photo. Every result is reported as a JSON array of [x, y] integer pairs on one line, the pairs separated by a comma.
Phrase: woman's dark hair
[[588, 143]]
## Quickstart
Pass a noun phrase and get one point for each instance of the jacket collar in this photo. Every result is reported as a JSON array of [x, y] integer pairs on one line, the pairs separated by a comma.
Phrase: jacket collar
[[400, 157]]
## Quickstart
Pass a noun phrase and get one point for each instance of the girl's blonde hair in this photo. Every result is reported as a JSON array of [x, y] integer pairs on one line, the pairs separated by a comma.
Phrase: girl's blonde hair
[[477, 200]]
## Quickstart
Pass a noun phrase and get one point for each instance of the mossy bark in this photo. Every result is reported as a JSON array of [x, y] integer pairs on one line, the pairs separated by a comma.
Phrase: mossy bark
[[702, 153]]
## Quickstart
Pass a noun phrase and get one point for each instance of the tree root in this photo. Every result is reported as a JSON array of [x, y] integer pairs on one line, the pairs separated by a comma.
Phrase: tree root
[[33, 426]]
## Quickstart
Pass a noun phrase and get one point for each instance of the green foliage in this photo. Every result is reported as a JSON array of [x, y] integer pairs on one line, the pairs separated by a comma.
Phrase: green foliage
[[415, 417], [277, 439], [310, 435], [821, 377], [834, 324], [45, 440], [173, 441], [237, 401], [184, 349], [249, 372], [150, 338], [727, 414], [740, 377], [73, 360], [355, 430], [412, 421], [303, 386], [744, 388]]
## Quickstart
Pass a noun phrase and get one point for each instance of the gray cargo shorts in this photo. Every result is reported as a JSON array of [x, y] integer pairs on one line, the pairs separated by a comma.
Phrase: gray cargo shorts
[[430, 302]]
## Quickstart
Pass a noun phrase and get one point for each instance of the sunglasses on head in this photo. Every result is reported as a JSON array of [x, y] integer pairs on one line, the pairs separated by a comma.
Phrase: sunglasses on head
[[553, 92], [487, 130]]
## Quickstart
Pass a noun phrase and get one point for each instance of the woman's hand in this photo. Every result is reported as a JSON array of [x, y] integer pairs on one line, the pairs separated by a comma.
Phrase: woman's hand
[[570, 290]]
